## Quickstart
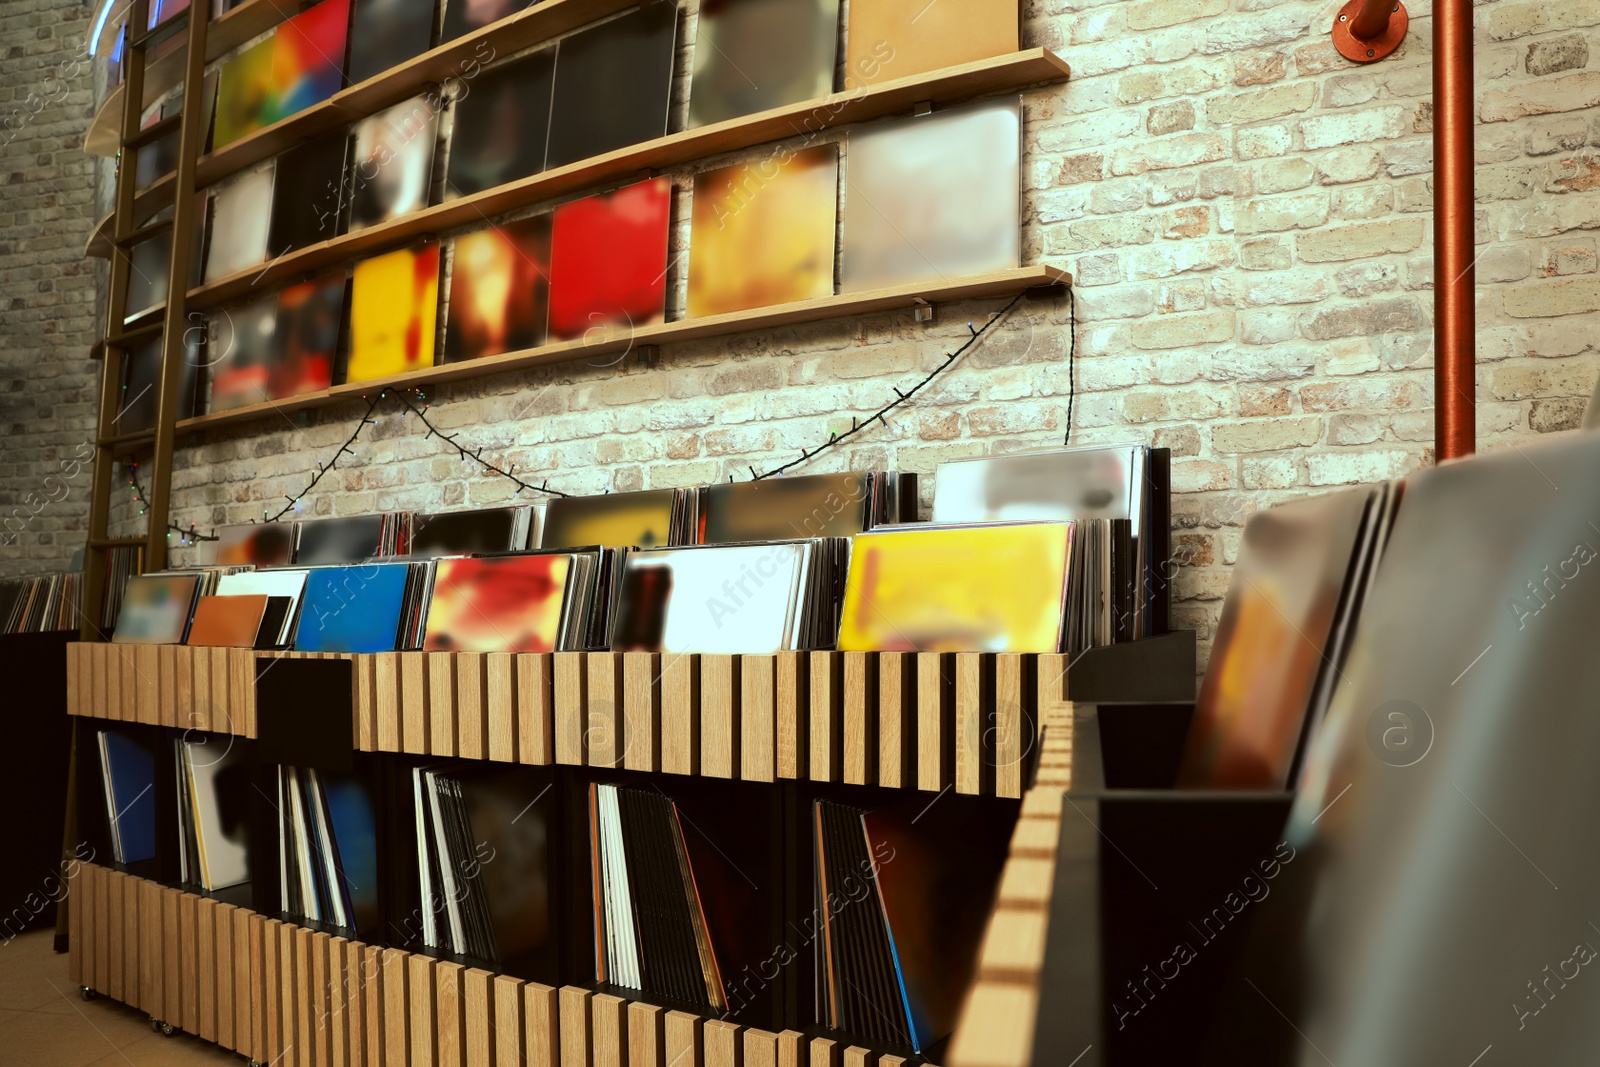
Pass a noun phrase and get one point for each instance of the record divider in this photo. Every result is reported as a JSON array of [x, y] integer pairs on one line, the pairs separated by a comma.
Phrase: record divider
[[280, 992]]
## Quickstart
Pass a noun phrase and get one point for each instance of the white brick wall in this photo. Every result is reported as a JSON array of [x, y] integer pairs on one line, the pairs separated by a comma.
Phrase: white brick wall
[[1248, 216], [48, 295]]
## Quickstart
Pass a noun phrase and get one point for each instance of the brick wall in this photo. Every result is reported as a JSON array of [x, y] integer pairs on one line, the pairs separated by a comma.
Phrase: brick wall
[[48, 301], [1248, 216]]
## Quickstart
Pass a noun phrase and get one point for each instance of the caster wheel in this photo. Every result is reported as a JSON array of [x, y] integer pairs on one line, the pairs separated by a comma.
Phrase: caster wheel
[[86, 993], [155, 1024], [167, 1029]]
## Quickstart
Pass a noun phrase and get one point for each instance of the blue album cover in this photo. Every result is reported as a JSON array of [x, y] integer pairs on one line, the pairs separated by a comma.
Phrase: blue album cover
[[130, 780], [352, 609], [355, 839]]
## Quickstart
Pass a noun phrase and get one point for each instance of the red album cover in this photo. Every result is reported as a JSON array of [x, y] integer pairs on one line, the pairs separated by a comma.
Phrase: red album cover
[[609, 260]]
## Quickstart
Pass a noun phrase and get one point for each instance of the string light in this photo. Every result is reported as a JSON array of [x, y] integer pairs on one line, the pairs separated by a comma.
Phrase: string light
[[415, 402]]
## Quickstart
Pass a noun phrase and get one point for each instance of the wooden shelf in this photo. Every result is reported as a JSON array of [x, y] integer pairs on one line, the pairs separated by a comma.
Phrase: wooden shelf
[[223, 35], [996, 283], [538, 22], [273, 991], [1001, 74], [896, 720]]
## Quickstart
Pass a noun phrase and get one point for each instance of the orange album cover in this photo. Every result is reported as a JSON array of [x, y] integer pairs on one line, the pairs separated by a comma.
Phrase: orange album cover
[[228, 621]]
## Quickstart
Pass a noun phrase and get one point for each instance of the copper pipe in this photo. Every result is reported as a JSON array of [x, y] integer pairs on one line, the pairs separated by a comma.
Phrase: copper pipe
[[1454, 424], [1373, 21]]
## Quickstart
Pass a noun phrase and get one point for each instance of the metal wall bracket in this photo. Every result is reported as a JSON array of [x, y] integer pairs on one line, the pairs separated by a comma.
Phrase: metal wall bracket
[[1365, 31], [923, 312]]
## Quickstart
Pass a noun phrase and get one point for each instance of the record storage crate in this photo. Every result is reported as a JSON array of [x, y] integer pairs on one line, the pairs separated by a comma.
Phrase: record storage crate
[[305, 995]]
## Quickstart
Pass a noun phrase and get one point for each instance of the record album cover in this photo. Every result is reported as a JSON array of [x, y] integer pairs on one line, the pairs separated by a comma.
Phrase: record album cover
[[394, 306], [762, 233], [497, 604], [608, 260], [755, 55]]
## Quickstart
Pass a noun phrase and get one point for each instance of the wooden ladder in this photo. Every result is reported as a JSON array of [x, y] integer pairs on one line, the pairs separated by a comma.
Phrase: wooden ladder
[[129, 229]]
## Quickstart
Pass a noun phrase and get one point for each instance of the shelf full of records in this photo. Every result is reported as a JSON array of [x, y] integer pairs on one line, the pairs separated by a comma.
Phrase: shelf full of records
[[837, 911], [41, 604], [1044, 552]]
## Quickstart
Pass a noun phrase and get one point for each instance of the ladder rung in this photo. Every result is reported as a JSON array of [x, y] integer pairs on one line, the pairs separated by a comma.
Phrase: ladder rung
[[140, 329], [137, 437], [160, 32], [154, 132], [115, 542], [145, 232]]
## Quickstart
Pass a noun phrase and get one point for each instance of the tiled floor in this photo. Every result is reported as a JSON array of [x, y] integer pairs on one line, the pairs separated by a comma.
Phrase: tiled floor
[[44, 1023]]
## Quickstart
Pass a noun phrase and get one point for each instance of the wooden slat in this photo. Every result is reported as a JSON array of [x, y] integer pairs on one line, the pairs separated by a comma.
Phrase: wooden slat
[[722, 1044], [1014, 709], [450, 1020], [88, 939], [224, 716], [174, 711], [396, 1010], [855, 1056], [719, 716], [116, 965], [792, 715], [824, 1053], [641, 710], [147, 666], [322, 1001], [536, 724], [242, 689], [760, 1049], [441, 703], [294, 943], [472, 722], [151, 951], [374, 1006], [206, 981], [189, 964], [962, 82], [386, 687], [477, 1005], [277, 1010], [128, 683], [971, 676], [758, 718], [118, 667], [203, 710], [351, 976], [608, 1030], [827, 682], [860, 708], [75, 901], [933, 720], [414, 703], [604, 742], [169, 960], [500, 705], [227, 966], [336, 1018], [133, 929], [571, 697], [680, 714], [364, 729], [248, 989], [74, 682], [646, 1043], [681, 1031], [575, 1033], [542, 1027], [420, 985], [791, 1049], [508, 1051]]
